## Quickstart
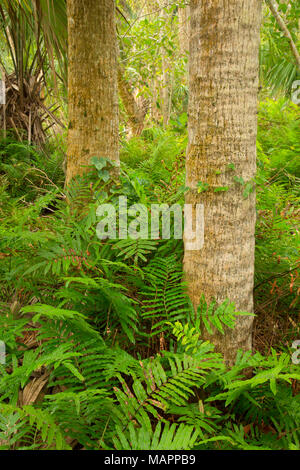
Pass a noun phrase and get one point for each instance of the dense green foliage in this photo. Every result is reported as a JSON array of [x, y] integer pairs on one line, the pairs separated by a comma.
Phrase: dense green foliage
[[99, 353]]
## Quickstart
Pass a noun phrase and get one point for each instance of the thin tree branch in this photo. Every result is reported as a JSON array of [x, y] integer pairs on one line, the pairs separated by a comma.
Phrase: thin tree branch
[[274, 9]]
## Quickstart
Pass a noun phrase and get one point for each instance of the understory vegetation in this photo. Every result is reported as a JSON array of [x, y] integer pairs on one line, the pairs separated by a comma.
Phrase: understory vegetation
[[103, 348]]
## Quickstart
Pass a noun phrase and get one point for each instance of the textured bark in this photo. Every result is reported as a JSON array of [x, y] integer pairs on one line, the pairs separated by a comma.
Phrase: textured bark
[[154, 8], [184, 28], [136, 113], [166, 87], [222, 131], [155, 111], [92, 84], [184, 36]]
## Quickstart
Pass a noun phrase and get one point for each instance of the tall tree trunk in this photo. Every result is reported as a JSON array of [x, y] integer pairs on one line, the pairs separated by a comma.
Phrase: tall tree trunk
[[136, 113], [184, 36], [155, 112], [166, 87], [92, 84], [184, 28], [222, 144], [154, 8]]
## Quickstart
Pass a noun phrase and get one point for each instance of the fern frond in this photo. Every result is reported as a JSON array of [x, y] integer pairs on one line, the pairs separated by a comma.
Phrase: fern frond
[[165, 436], [165, 299], [135, 249], [215, 316], [37, 426]]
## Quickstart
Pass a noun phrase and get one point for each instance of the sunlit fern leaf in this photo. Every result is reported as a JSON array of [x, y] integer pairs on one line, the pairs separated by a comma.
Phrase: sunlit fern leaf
[[165, 436], [213, 316]]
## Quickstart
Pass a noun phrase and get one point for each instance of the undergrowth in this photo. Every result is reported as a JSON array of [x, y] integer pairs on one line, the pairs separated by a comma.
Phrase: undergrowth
[[103, 350]]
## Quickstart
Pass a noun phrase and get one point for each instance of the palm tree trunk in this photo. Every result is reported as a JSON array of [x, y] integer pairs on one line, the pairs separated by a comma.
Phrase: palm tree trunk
[[222, 148], [92, 84]]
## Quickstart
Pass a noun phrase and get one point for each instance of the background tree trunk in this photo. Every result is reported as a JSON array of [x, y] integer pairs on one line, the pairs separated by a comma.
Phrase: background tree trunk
[[184, 28], [166, 87], [92, 84], [222, 131], [136, 113]]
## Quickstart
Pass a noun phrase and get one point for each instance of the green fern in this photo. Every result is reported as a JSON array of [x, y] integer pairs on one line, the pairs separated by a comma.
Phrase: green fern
[[165, 436], [29, 428], [135, 249], [165, 300], [215, 316]]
